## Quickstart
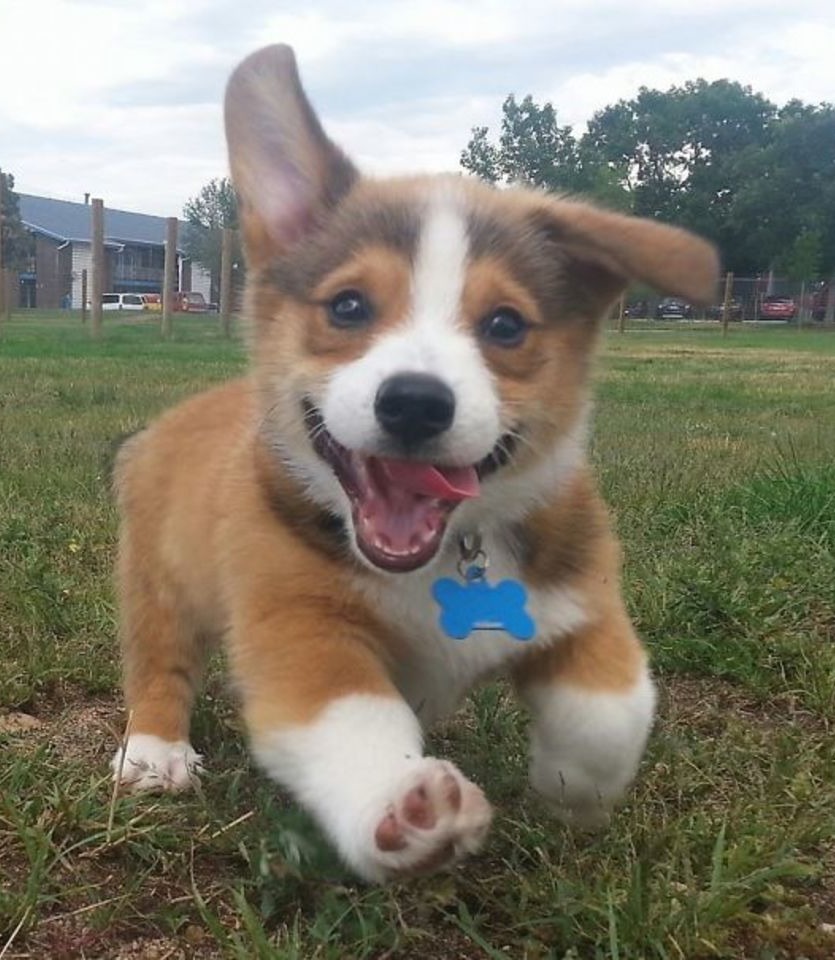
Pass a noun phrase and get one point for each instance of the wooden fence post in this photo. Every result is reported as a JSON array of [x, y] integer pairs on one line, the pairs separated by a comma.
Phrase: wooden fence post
[[829, 311], [5, 307], [226, 282], [802, 305], [5, 297], [5, 293], [726, 302], [98, 268], [170, 266], [622, 314], [84, 295]]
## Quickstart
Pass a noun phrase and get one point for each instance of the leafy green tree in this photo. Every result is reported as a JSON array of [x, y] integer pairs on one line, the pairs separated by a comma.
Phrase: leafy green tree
[[533, 148], [784, 206], [603, 181], [712, 156], [206, 214], [679, 148], [481, 157], [803, 259], [638, 138], [18, 244]]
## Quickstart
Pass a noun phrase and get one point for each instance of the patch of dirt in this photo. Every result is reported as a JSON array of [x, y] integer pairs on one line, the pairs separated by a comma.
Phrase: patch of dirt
[[162, 949], [822, 895], [78, 726], [88, 730], [709, 703], [18, 723], [770, 939], [447, 944], [70, 938]]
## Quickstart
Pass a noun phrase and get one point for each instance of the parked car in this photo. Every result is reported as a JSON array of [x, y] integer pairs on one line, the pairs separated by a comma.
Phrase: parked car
[[152, 301], [714, 311], [777, 308], [671, 308], [186, 302], [636, 310], [122, 301]]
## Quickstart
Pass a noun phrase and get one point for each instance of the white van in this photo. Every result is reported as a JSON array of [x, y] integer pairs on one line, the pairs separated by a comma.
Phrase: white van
[[122, 301]]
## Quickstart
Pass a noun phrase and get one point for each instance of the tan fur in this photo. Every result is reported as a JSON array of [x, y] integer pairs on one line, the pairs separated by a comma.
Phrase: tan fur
[[603, 657], [384, 277], [219, 541], [570, 541], [204, 555]]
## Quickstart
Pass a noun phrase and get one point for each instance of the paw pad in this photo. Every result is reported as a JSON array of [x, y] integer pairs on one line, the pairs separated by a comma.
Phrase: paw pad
[[437, 817]]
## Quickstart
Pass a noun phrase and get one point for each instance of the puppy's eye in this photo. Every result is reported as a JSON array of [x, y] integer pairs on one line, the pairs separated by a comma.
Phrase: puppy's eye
[[349, 308], [504, 327]]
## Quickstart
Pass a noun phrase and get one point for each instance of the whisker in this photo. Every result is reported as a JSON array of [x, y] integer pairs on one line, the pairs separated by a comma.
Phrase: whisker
[[521, 438]]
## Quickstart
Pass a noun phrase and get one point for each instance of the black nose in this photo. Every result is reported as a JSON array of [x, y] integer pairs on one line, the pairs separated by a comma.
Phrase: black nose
[[414, 407]]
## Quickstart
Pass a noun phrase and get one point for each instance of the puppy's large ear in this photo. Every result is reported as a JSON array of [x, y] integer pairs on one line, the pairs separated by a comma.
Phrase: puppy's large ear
[[286, 171], [610, 250]]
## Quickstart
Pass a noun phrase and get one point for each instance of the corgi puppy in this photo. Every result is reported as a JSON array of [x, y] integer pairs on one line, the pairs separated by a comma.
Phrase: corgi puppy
[[395, 503]]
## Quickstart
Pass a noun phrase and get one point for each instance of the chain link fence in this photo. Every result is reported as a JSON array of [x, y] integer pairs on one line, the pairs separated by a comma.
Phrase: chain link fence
[[756, 301]]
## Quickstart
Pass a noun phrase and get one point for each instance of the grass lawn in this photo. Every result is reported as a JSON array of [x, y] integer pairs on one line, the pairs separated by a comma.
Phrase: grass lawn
[[717, 458]]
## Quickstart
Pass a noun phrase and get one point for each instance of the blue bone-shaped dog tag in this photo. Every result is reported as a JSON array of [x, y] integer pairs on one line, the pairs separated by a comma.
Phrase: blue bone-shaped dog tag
[[479, 605]]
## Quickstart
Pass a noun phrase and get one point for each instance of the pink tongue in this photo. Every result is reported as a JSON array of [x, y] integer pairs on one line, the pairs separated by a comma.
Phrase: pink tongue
[[443, 483]]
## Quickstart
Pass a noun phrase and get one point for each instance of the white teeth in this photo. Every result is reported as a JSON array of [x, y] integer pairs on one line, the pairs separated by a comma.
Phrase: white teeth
[[383, 544]]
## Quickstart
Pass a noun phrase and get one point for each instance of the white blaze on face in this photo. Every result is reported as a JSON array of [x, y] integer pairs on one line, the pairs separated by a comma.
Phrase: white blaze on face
[[431, 340], [440, 265]]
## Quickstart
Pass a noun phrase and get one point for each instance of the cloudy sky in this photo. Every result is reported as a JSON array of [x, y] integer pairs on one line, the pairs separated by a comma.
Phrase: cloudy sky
[[121, 98]]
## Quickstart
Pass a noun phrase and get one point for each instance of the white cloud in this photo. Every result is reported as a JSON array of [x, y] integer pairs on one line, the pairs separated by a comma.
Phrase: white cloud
[[795, 62], [123, 100]]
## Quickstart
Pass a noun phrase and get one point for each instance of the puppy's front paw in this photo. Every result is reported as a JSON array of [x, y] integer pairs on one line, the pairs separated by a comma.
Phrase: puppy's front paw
[[572, 795], [147, 762], [434, 817]]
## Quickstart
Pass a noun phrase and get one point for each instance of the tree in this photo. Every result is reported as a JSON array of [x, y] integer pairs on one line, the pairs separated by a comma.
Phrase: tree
[[532, 148], [679, 149], [784, 207], [17, 242], [715, 157], [481, 157], [206, 214], [803, 259]]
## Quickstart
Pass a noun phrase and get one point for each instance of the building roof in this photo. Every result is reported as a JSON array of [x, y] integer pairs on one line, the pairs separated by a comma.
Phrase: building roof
[[64, 220]]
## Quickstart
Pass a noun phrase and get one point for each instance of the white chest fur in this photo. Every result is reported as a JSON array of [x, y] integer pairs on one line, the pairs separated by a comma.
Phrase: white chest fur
[[437, 670]]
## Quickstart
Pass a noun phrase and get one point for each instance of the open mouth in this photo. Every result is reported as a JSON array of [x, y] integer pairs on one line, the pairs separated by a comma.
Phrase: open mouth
[[400, 508]]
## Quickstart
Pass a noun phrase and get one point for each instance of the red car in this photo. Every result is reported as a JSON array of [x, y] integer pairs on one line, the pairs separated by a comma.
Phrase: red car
[[778, 308], [190, 303]]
